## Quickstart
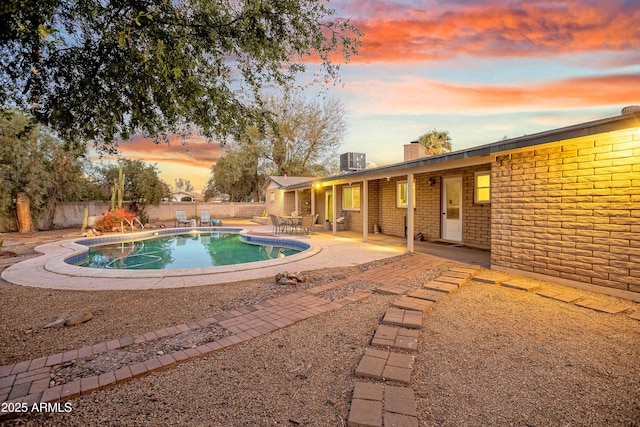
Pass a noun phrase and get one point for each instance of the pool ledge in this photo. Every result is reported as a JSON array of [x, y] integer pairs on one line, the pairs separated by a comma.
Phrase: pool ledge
[[51, 271]]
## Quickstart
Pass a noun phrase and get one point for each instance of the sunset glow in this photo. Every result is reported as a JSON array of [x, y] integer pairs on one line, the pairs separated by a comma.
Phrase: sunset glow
[[481, 70]]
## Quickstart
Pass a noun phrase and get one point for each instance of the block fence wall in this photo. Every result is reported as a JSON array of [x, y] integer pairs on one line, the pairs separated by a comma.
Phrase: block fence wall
[[570, 211], [72, 214]]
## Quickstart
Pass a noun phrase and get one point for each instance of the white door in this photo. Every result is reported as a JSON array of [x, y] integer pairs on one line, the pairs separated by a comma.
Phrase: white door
[[328, 206], [452, 209]]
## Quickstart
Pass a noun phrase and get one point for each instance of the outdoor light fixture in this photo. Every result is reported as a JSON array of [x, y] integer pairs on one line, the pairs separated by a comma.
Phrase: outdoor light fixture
[[431, 182]]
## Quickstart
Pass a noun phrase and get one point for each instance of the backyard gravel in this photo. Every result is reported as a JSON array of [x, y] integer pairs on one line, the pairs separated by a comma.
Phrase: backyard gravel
[[487, 355]]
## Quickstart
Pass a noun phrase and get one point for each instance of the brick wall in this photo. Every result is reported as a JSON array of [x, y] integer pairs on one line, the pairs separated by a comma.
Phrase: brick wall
[[571, 211], [476, 219]]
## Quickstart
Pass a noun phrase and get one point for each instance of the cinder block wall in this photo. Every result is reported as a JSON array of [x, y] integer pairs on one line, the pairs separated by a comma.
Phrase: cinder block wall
[[72, 214], [571, 211]]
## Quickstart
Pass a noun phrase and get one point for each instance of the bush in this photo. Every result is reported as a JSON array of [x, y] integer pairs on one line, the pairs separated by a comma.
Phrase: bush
[[115, 219]]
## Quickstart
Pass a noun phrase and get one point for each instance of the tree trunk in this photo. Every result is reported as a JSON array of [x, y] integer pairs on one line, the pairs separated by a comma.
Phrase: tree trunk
[[48, 217], [23, 212]]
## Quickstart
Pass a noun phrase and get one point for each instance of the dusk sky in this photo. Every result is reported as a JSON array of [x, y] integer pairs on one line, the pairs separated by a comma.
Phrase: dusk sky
[[481, 70]]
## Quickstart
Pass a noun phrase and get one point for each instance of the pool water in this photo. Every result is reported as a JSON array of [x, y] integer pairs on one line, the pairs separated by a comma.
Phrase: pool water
[[191, 250]]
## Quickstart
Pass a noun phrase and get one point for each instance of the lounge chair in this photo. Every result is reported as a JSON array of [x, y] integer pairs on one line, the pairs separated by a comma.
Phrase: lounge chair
[[181, 219], [342, 220], [205, 218]]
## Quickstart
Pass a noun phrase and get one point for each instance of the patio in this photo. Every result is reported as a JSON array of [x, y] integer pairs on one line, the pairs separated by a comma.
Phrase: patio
[[345, 249]]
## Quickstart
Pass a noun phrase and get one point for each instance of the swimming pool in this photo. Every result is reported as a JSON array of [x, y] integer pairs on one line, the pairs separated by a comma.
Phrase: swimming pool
[[185, 250]]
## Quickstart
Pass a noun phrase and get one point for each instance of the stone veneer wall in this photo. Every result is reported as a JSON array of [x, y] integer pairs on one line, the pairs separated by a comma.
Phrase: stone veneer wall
[[571, 211]]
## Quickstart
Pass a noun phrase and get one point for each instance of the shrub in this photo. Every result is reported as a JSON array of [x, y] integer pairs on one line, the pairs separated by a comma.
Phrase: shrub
[[115, 219]]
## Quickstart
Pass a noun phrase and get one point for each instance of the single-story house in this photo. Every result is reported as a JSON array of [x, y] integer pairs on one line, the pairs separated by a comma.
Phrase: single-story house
[[277, 204], [561, 204], [185, 196]]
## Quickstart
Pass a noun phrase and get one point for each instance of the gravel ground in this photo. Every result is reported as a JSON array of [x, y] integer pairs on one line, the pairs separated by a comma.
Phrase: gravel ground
[[487, 356]]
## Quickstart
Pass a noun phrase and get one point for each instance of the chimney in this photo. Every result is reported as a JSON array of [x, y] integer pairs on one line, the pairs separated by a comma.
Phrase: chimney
[[413, 151]]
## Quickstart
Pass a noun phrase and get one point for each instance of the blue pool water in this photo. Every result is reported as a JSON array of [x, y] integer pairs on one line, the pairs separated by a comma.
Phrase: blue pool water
[[190, 250]]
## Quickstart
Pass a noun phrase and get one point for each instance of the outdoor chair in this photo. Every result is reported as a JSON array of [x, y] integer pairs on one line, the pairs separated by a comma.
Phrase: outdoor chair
[[342, 220], [205, 218], [278, 224], [306, 222], [181, 219]]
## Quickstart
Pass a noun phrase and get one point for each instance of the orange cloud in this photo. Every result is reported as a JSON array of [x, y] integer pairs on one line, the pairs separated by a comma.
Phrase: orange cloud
[[413, 95], [404, 34], [192, 151]]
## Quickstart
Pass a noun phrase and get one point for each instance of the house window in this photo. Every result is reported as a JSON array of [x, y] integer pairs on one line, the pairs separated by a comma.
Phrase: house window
[[351, 198], [402, 195], [482, 193], [272, 196]]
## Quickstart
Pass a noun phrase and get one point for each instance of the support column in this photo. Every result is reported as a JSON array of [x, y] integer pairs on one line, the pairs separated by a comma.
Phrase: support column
[[297, 201], [313, 200], [410, 214], [334, 208], [365, 210]]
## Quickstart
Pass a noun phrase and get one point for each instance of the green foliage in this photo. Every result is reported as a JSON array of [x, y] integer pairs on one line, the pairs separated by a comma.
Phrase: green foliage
[[141, 184], [236, 174], [35, 162], [436, 142], [103, 70]]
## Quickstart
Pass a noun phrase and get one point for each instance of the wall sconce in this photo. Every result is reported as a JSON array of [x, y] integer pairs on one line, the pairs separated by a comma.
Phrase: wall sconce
[[431, 182]]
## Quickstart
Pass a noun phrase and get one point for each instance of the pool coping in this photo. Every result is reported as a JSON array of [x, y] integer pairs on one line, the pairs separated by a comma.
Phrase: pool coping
[[60, 265], [327, 251]]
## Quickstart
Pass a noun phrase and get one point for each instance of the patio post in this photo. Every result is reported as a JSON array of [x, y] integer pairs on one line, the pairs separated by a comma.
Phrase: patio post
[[365, 210], [334, 208], [410, 224]]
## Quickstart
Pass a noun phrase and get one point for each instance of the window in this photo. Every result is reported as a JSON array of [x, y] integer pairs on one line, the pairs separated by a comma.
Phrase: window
[[272, 196], [482, 193], [351, 198], [402, 195]]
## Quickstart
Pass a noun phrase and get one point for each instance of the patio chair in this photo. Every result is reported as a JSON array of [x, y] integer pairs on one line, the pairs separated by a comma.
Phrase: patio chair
[[315, 221], [342, 220], [205, 218], [181, 219], [278, 224], [306, 222]]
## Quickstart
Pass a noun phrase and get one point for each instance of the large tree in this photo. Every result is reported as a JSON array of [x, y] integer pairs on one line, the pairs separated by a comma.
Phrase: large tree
[[303, 136], [301, 139], [236, 174], [37, 170], [101, 70]]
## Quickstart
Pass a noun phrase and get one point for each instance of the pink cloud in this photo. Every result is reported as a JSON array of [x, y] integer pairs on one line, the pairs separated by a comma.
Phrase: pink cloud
[[397, 33], [414, 95], [194, 151]]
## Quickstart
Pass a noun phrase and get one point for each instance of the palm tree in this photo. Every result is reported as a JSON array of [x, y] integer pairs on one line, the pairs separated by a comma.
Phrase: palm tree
[[436, 142]]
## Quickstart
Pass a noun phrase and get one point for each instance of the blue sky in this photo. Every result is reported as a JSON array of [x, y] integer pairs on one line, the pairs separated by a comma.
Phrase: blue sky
[[481, 70]]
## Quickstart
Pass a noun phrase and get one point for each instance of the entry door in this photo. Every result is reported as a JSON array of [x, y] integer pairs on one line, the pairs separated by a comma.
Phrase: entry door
[[328, 206], [452, 209]]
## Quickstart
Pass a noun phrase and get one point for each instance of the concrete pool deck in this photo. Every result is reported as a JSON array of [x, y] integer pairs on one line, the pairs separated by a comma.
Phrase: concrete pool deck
[[327, 251]]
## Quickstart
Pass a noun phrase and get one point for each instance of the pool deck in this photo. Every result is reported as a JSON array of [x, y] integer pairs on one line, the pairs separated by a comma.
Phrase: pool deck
[[327, 251]]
